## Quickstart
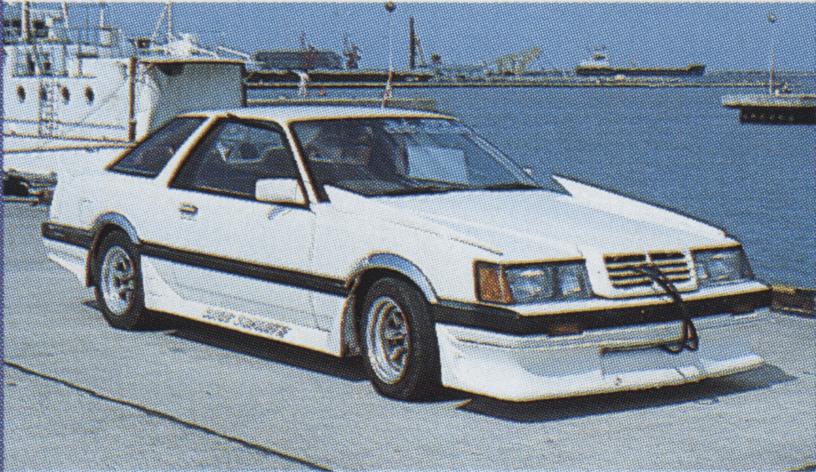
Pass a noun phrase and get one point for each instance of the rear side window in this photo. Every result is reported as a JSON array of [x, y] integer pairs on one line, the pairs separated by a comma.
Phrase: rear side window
[[150, 156]]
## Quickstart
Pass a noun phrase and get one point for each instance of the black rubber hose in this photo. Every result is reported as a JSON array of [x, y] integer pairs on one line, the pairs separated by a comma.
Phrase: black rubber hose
[[688, 338]]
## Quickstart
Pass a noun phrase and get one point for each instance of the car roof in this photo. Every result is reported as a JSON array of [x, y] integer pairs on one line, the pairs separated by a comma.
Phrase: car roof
[[287, 113]]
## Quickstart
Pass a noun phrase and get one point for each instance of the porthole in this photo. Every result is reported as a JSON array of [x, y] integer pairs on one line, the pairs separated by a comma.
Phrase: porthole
[[66, 95], [20, 93], [89, 95]]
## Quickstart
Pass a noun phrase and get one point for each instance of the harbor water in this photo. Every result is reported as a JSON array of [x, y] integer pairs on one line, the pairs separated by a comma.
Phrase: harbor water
[[676, 147]]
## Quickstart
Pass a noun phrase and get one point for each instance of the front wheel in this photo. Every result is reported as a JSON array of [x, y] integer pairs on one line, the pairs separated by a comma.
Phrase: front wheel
[[402, 354], [119, 291]]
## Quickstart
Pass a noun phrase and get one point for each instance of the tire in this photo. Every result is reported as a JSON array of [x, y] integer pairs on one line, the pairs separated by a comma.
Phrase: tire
[[119, 291], [401, 350]]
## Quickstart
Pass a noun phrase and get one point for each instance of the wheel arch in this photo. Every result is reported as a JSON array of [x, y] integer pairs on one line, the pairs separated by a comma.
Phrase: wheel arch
[[368, 271], [103, 226], [384, 263]]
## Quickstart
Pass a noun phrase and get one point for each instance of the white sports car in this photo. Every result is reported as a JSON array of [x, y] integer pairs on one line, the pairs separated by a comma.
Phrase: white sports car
[[405, 237]]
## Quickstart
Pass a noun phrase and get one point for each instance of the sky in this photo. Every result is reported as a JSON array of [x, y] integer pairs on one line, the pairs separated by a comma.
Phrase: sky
[[720, 35]]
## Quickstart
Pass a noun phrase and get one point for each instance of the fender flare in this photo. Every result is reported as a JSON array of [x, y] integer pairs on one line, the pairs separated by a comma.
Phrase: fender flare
[[106, 219], [117, 220], [397, 264]]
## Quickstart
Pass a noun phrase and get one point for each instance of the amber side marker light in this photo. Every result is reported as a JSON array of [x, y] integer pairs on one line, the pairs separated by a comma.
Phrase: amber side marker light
[[491, 285]]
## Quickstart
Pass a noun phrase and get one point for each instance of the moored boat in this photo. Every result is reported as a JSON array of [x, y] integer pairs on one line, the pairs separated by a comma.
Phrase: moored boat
[[779, 108]]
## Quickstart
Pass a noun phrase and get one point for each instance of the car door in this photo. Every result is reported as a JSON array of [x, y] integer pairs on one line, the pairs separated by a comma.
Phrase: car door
[[228, 250]]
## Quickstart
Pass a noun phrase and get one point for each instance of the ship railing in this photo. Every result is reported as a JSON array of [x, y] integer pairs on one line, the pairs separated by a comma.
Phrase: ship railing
[[781, 99]]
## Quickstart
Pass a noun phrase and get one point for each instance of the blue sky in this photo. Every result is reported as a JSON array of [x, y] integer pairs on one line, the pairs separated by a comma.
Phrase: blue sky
[[721, 35]]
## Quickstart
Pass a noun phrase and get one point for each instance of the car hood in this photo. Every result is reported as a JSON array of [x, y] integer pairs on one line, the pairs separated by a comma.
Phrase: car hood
[[533, 224]]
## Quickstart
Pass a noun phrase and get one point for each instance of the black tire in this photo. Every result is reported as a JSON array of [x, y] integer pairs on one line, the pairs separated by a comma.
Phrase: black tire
[[399, 339], [119, 291]]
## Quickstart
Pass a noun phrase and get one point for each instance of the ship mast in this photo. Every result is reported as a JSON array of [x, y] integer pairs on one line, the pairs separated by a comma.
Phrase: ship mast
[[169, 21], [772, 20]]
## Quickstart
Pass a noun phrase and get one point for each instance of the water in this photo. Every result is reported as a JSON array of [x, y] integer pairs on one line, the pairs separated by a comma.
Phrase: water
[[674, 147]]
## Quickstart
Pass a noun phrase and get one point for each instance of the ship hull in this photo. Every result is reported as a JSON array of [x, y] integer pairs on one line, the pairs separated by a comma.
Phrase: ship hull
[[778, 115], [690, 70]]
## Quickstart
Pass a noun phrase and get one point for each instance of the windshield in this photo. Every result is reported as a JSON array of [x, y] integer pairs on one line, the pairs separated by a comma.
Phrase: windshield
[[398, 156]]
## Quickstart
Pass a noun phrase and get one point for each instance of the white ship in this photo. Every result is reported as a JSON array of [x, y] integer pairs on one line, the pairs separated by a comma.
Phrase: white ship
[[74, 97]]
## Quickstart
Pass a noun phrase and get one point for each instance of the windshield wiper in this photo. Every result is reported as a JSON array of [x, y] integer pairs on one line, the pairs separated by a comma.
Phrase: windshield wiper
[[509, 186], [423, 189]]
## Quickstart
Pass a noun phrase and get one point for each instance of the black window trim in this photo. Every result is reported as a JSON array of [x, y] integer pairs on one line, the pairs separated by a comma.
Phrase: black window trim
[[253, 123]]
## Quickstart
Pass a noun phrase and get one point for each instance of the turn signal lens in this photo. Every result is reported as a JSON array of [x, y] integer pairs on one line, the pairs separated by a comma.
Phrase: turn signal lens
[[491, 285], [531, 283]]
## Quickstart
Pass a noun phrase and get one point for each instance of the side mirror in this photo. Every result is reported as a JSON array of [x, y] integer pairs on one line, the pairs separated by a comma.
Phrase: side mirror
[[279, 191]]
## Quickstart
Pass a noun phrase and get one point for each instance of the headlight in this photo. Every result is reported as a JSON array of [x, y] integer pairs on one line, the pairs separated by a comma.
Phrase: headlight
[[528, 283], [721, 266]]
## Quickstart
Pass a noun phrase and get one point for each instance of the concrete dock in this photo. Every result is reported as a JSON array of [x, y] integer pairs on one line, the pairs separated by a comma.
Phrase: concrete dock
[[81, 395]]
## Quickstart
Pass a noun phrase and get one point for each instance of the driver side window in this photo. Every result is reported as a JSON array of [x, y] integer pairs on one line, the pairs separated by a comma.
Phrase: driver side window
[[233, 157]]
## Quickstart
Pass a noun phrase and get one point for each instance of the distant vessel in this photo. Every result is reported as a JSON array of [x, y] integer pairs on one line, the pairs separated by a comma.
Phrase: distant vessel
[[324, 66], [598, 65], [298, 59]]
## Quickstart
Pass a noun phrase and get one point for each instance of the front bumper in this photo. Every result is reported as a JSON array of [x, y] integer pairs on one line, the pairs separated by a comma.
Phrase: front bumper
[[534, 367]]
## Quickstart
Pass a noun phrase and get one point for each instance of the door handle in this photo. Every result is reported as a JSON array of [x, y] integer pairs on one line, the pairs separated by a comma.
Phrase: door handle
[[188, 209]]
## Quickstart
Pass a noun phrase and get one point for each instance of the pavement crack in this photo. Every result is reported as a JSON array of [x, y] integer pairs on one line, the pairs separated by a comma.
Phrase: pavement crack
[[188, 424]]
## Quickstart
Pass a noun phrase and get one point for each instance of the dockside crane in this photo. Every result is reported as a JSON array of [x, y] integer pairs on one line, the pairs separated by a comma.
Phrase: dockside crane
[[516, 63], [352, 53], [415, 49], [307, 53]]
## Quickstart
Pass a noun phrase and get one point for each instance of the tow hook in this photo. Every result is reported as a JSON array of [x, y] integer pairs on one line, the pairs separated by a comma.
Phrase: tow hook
[[688, 337]]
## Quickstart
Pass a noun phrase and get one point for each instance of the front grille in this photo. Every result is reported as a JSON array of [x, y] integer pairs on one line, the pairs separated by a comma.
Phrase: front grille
[[622, 268]]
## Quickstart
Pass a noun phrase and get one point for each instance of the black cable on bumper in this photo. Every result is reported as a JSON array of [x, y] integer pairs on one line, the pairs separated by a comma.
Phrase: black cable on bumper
[[688, 337]]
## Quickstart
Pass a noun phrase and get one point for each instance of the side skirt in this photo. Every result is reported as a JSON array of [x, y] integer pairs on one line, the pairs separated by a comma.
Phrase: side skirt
[[160, 297]]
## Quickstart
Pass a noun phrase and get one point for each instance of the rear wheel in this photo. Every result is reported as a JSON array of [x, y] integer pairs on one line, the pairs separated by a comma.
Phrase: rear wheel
[[401, 351], [119, 291]]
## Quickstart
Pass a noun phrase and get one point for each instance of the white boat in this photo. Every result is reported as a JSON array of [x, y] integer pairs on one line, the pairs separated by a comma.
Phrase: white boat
[[73, 98]]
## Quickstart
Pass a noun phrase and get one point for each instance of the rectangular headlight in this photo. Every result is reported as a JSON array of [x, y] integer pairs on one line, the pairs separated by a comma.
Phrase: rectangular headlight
[[721, 266], [527, 283]]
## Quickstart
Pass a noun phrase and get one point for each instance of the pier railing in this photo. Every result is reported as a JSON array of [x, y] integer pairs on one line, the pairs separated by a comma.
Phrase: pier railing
[[807, 100]]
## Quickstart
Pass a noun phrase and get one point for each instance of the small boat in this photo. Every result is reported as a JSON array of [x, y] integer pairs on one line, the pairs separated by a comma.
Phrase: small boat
[[779, 106], [776, 108]]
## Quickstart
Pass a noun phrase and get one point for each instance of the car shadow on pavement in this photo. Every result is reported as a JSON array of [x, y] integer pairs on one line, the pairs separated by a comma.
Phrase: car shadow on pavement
[[705, 392], [350, 368]]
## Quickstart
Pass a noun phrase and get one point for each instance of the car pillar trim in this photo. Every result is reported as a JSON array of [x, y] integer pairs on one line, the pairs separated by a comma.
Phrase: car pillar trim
[[303, 169]]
